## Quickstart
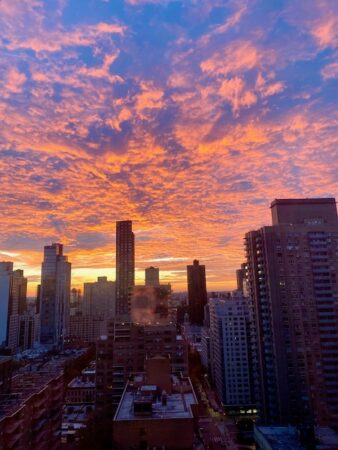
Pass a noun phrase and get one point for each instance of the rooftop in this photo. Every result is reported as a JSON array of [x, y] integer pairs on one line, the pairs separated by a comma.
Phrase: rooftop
[[76, 414], [23, 387], [32, 379], [177, 405], [279, 438], [81, 383], [303, 201]]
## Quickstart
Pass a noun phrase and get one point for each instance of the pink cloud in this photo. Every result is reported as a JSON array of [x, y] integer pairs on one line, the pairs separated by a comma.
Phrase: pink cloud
[[103, 71], [330, 71], [326, 32], [14, 81], [234, 91], [266, 88], [237, 57]]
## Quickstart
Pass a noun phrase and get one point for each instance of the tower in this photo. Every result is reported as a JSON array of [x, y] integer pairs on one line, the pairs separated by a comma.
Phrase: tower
[[197, 292], [125, 265], [54, 296]]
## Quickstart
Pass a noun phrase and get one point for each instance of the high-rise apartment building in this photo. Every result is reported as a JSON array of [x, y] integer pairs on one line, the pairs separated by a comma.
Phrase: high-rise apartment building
[[125, 265], [54, 296], [197, 292], [100, 298], [291, 274], [152, 276], [230, 350], [13, 303]]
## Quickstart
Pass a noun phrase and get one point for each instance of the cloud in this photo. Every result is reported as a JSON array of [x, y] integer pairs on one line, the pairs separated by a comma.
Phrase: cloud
[[14, 81], [187, 120], [237, 57], [234, 91], [150, 97], [330, 71], [326, 32]]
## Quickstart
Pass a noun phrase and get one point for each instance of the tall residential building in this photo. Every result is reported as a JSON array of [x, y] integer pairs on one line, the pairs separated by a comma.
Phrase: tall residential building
[[13, 303], [197, 292], [54, 296], [100, 298], [291, 274], [152, 276], [230, 350], [125, 265]]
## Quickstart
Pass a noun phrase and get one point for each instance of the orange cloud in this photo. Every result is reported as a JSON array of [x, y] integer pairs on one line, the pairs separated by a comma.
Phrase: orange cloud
[[234, 91], [237, 57], [192, 145]]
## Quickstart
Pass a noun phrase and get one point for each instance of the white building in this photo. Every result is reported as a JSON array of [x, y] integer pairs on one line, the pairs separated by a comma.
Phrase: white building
[[17, 325], [229, 323]]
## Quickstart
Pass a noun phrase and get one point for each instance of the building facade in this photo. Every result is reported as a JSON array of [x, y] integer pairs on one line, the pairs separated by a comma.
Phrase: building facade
[[13, 304], [156, 410], [84, 328], [30, 419], [230, 352], [197, 292], [291, 273], [152, 276], [123, 351], [99, 298], [54, 296], [125, 265]]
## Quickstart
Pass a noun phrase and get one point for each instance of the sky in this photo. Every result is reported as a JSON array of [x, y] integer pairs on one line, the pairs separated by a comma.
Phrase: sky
[[186, 116]]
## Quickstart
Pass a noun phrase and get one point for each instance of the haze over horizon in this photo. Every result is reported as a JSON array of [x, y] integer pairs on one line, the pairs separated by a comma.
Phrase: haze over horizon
[[187, 117]]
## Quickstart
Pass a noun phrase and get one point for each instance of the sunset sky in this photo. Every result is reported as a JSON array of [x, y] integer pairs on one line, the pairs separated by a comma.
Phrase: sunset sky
[[188, 117]]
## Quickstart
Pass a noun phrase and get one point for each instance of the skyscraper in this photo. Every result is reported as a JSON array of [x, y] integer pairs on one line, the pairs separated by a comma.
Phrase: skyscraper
[[13, 292], [152, 276], [292, 269], [54, 296], [125, 265], [197, 292]]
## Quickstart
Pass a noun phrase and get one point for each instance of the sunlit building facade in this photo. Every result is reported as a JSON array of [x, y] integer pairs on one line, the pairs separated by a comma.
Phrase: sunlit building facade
[[54, 296]]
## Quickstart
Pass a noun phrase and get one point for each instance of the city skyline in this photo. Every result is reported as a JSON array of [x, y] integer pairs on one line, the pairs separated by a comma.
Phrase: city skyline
[[187, 119]]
